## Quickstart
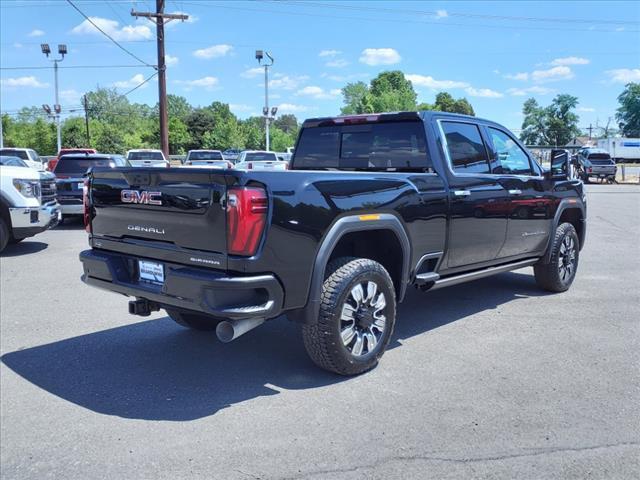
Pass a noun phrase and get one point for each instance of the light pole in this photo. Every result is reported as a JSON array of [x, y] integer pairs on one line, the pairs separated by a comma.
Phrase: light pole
[[265, 110], [62, 51]]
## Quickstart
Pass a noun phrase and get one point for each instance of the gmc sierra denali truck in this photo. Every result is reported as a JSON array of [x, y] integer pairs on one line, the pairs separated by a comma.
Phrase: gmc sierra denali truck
[[372, 204]]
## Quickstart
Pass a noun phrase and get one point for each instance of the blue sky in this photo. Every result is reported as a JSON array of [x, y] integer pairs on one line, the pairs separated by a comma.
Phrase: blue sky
[[497, 54]]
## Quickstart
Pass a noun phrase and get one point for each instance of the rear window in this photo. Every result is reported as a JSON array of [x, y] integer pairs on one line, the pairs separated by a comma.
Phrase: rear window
[[379, 146], [15, 153], [145, 156], [79, 166], [260, 157], [205, 156], [599, 156]]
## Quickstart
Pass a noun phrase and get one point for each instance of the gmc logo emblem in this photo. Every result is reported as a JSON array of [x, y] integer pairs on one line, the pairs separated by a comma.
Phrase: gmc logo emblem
[[142, 197]]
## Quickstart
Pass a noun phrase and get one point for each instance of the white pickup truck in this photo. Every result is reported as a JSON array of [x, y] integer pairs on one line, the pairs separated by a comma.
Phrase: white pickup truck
[[28, 201]]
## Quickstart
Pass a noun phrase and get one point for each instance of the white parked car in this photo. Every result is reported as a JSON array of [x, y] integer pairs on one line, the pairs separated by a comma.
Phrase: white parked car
[[147, 157], [28, 155], [260, 160], [206, 158], [28, 203]]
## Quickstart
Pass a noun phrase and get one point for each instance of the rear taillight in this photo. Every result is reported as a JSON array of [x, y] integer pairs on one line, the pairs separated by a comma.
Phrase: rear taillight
[[589, 170], [246, 219], [85, 205], [52, 164]]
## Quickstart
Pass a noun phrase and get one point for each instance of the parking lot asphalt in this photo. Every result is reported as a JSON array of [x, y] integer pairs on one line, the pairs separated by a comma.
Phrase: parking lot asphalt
[[492, 379]]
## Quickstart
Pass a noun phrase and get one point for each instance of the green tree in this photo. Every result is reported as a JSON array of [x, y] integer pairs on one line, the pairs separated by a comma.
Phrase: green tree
[[253, 133], [533, 124], [109, 138], [177, 106], [446, 103], [179, 137], [199, 122], [389, 91], [356, 99], [288, 123], [561, 120], [628, 113], [74, 133], [280, 140]]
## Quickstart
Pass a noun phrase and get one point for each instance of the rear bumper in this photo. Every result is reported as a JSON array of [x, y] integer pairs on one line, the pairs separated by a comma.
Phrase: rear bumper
[[71, 209], [196, 289]]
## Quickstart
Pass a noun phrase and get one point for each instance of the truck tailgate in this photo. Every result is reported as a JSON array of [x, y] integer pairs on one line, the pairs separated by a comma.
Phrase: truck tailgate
[[161, 214]]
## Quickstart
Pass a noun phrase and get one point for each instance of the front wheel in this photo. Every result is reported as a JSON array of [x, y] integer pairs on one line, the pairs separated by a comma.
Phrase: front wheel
[[559, 273], [194, 321], [357, 316]]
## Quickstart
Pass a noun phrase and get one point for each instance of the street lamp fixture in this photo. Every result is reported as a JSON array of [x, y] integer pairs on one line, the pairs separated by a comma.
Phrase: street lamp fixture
[[259, 55], [274, 110], [47, 109], [62, 49], [45, 49]]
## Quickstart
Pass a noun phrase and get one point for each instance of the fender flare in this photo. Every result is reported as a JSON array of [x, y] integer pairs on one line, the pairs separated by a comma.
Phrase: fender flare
[[341, 227], [565, 204]]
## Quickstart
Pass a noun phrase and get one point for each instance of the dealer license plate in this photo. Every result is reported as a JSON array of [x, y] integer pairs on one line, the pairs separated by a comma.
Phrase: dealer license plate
[[151, 271]]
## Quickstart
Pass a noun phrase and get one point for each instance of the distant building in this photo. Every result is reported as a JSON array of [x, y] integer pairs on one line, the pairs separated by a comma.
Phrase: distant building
[[579, 142]]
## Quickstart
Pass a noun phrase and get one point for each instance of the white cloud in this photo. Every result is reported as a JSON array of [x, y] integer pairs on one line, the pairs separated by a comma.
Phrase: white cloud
[[170, 60], [523, 76], [252, 72], [287, 82], [137, 79], [36, 33], [482, 92], [26, 82], [337, 63], [430, 82], [553, 74], [345, 78], [208, 83], [329, 53], [17, 45], [624, 75], [441, 14], [112, 27], [380, 56], [70, 96], [586, 109], [291, 108], [570, 61], [240, 107], [535, 90], [214, 51], [317, 92]]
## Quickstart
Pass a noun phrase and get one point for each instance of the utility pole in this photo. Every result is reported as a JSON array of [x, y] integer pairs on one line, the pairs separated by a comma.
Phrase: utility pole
[[160, 19], [86, 119], [590, 130], [265, 110], [62, 51]]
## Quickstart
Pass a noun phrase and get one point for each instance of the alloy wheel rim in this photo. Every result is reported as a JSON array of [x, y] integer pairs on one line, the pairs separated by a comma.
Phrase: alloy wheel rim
[[567, 259], [362, 319]]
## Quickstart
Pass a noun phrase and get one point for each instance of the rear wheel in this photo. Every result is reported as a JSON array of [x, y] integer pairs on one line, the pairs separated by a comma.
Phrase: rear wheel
[[357, 316], [194, 321], [558, 274]]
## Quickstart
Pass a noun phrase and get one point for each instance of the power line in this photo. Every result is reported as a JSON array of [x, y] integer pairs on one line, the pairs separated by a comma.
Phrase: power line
[[109, 36], [402, 21], [140, 84], [69, 66], [456, 14]]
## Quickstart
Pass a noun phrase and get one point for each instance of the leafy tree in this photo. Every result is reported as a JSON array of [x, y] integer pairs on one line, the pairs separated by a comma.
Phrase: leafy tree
[[253, 133], [199, 122], [356, 99], [280, 140], [177, 106], [391, 91], [109, 138], [628, 113], [74, 133], [288, 123], [179, 137], [556, 124], [446, 103]]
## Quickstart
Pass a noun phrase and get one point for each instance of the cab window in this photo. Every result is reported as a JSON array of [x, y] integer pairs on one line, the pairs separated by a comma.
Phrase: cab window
[[510, 158], [467, 152]]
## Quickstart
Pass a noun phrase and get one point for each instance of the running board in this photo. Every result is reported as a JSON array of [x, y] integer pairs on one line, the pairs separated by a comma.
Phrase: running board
[[487, 272]]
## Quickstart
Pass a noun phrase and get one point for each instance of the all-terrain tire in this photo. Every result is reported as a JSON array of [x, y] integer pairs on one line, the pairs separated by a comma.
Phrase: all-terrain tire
[[5, 235], [193, 321], [323, 339], [559, 273]]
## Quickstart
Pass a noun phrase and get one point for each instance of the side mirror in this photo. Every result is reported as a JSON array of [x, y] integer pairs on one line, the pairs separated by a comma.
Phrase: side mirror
[[560, 165]]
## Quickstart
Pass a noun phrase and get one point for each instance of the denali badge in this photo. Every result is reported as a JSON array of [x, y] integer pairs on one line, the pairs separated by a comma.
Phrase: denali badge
[[144, 197], [140, 228]]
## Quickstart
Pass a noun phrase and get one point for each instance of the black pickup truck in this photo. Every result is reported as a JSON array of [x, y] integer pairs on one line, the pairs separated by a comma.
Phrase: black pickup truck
[[372, 204]]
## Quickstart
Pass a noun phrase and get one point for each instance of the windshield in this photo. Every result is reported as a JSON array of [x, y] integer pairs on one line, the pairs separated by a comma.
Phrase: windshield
[[260, 157], [79, 166], [381, 146], [145, 156], [15, 153], [12, 162], [205, 156]]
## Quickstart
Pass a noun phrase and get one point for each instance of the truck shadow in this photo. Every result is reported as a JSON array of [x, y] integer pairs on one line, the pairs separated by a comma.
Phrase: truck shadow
[[156, 370], [25, 247]]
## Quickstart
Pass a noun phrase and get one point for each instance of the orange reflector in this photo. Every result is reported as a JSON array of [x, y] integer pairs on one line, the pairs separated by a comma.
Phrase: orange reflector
[[369, 217]]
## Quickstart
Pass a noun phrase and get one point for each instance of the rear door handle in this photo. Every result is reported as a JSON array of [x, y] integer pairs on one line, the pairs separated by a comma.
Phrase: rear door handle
[[461, 193], [515, 192]]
